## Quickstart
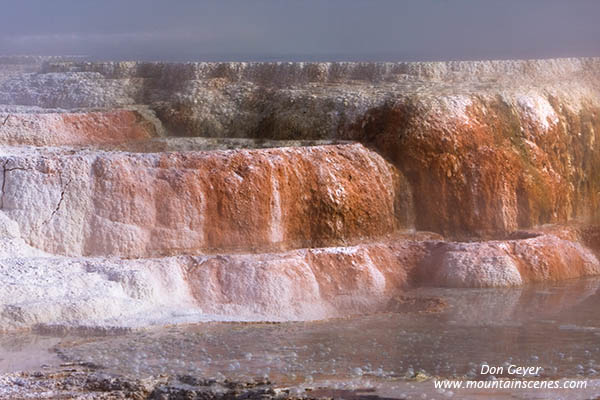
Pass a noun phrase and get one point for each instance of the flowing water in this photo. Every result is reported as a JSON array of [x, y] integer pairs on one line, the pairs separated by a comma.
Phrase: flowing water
[[552, 326]]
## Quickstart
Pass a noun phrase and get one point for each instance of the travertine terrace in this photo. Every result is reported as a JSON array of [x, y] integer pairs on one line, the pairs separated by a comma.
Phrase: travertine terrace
[[142, 193]]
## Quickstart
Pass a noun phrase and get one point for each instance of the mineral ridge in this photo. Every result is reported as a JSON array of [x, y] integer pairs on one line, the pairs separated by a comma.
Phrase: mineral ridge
[[148, 193]]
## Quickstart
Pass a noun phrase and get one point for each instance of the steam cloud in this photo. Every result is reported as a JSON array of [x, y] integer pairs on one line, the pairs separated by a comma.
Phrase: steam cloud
[[302, 30]]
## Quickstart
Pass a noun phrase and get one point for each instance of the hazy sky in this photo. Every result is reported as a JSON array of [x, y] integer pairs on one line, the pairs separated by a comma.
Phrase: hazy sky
[[302, 29]]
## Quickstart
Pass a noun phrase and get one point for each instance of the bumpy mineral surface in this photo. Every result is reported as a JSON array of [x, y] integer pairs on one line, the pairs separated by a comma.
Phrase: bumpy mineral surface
[[149, 193], [81, 383]]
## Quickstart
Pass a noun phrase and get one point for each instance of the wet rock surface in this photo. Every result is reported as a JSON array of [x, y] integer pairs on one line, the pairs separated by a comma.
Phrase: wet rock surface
[[442, 333], [543, 257], [79, 382]]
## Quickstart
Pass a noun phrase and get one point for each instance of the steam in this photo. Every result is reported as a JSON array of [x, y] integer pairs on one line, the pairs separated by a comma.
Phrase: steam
[[311, 30]]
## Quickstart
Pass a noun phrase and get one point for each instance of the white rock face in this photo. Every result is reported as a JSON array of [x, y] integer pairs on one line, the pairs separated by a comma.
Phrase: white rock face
[[9, 229], [87, 292], [476, 265], [11, 242], [545, 257], [41, 292], [100, 203]]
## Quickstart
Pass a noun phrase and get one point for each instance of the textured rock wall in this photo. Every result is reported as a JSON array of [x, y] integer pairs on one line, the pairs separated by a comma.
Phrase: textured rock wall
[[76, 129], [488, 165], [446, 126], [506, 263], [42, 291], [137, 205], [300, 73], [305, 284], [109, 160]]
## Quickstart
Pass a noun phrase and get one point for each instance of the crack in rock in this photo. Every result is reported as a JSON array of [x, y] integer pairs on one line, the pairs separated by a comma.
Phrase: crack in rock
[[3, 184], [4, 171], [60, 201]]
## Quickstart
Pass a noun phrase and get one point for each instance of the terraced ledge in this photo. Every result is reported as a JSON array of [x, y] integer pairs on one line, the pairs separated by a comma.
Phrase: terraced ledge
[[303, 284], [153, 193], [88, 203]]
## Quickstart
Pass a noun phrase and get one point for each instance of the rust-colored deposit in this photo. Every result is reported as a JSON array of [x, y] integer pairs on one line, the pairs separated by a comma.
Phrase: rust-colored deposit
[[495, 166], [279, 191], [75, 129], [139, 205]]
